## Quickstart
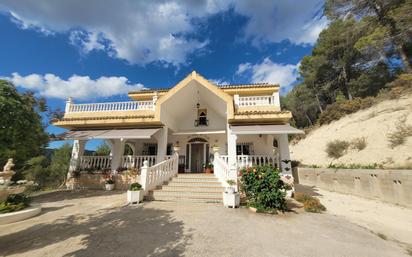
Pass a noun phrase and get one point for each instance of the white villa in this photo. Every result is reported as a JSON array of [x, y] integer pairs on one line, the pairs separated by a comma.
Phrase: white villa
[[179, 129]]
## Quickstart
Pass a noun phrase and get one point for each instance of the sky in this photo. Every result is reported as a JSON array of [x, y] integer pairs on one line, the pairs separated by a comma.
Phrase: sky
[[98, 52]]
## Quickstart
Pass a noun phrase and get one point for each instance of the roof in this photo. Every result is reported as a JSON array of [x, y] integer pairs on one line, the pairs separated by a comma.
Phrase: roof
[[230, 86]]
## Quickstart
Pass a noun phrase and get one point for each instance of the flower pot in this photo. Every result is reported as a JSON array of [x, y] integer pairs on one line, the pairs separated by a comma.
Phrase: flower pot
[[230, 190], [109, 187], [134, 196], [209, 170], [231, 199]]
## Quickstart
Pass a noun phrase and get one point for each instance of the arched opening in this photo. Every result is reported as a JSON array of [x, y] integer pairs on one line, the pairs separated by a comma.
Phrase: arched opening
[[197, 149]]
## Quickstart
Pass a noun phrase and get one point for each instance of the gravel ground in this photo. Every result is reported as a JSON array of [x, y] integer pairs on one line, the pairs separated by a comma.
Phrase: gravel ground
[[98, 223]]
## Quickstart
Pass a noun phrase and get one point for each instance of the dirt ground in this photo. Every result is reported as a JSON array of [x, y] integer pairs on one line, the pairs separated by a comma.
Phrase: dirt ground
[[98, 223]]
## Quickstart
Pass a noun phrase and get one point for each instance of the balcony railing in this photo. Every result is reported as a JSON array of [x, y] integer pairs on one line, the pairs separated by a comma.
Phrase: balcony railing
[[250, 160], [245, 101], [109, 107]]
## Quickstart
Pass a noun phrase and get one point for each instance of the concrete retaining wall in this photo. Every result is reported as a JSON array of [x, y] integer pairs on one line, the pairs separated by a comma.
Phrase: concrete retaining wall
[[393, 186], [97, 181]]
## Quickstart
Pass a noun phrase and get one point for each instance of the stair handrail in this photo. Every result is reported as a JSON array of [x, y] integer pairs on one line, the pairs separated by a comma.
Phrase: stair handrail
[[154, 176], [223, 171]]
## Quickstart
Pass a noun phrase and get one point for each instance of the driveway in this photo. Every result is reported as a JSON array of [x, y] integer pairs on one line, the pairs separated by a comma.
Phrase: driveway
[[93, 223]]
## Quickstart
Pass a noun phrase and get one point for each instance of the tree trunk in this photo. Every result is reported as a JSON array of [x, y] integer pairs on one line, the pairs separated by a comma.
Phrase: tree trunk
[[319, 105], [308, 118], [345, 85], [405, 59]]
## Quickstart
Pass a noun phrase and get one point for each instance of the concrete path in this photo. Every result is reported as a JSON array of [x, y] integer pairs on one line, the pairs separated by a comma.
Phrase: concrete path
[[98, 224], [390, 221]]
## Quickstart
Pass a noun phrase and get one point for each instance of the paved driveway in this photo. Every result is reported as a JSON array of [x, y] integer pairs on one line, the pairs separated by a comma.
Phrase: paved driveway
[[99, 224]]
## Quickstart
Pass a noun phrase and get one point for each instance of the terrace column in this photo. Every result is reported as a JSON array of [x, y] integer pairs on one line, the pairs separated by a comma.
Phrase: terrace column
[[77, 153], [231, 152], [161, 138], [285, 163], [117, 153]]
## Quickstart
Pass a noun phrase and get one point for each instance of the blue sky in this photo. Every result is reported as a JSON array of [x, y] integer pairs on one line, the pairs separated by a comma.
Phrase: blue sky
[[96, 52]]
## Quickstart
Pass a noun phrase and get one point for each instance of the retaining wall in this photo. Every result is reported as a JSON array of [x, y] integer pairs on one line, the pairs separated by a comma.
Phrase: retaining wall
[[393, 186], [97, 181]]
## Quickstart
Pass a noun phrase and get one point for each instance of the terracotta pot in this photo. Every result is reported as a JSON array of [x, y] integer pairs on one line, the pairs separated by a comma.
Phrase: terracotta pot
[[209, 170]]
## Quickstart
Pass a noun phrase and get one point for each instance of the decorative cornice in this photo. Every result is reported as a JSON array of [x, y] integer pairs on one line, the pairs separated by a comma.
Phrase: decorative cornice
[[108, 118]]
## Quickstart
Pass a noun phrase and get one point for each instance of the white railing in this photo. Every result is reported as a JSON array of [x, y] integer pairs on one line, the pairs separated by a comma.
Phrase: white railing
[[222, 170], [156, 175], [245, 101], [136, 161], [95, 162], [250, 160], [108, 107]]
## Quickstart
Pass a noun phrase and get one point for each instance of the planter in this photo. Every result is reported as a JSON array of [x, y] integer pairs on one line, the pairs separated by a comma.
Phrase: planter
[[11, 217], [134, 196], [209, 170], [109, 187], [231, 199]]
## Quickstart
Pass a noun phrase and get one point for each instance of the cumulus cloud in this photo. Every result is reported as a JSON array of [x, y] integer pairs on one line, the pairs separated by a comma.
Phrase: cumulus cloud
[[299, 21], [219, 81], [270, 72], [142, 32], [79, 87]]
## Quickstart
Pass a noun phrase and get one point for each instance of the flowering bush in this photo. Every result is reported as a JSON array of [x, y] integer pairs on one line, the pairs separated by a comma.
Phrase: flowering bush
[[264, 188]]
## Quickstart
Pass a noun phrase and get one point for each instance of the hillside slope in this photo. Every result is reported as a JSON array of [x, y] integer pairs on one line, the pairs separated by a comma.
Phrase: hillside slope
[[374, 125]]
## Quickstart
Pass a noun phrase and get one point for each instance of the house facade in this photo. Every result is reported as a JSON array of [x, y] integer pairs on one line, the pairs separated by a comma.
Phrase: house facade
[[191, 124]]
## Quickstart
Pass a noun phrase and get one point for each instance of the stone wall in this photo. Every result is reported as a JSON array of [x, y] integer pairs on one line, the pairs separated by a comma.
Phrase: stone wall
[[393, 186], [97, 181]]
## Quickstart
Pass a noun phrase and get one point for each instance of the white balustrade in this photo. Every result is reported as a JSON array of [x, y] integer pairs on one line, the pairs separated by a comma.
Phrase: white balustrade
[[108, 107], [156, 175], [245, 101], [250, 160], [136, 161], [95, 162], [222, 170]]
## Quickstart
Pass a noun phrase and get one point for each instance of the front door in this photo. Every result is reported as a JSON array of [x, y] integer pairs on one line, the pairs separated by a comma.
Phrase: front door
[[197, 157]]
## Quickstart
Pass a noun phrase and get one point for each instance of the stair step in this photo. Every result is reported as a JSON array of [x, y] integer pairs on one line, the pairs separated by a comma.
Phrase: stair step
[[188, 194], [183, 199], [192, 188], [194, 184], [200, 180]]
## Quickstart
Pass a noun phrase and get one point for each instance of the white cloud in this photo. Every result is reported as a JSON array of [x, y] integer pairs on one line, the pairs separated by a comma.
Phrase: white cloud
[[142, 32], [219, 82], [79, 87], [299, 21], [270, 72], [137, 31]]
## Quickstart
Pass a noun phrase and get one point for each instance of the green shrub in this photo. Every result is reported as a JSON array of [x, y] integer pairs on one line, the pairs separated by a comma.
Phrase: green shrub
[[359, 143], [135, 187], [337, 148], [14, 202], [263, 188], [313, 205], [342, 108], [301, 197], [355, 166], [398, 137]]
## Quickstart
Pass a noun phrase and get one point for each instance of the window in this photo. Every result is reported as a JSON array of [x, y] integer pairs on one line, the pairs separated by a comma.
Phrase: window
[[149, 149], [244, 149], [169, 149], [201, 118]]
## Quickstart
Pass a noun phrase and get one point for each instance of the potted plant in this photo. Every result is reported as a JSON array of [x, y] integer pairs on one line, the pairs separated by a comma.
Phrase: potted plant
[[231, 198], [208, 167], [109, 184], [135, 193]]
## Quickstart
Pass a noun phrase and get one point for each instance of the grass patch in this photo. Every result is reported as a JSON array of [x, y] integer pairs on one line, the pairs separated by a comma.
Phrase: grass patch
[[398, 137], [359, 143], [384, 237], [14, 202], [337, 148], [310, 203]]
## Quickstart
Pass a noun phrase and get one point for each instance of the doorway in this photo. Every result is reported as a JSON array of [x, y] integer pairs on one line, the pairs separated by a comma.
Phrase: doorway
[[197, 157]]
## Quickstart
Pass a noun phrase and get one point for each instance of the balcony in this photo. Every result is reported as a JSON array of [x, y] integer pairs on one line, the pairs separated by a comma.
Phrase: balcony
[[248, 101], [109, 107]]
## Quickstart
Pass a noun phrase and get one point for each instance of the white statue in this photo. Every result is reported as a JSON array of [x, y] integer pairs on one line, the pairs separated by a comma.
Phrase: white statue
[[7, 172], [9, 166]]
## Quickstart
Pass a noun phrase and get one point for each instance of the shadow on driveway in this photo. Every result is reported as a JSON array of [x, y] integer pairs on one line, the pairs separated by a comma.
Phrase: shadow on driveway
[[125, 231]]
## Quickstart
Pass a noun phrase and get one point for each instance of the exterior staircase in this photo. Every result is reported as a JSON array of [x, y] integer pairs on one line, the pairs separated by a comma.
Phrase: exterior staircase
[[203, 188]]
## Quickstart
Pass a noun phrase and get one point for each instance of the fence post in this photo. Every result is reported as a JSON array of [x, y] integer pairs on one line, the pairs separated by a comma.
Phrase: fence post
[[144, 177]]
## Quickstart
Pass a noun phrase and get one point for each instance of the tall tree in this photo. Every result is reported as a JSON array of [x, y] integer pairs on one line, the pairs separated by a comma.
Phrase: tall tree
[[390, 22], [22, 134]]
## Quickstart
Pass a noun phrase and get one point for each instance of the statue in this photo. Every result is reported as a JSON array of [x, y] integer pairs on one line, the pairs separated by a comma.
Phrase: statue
[[7, 173]]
